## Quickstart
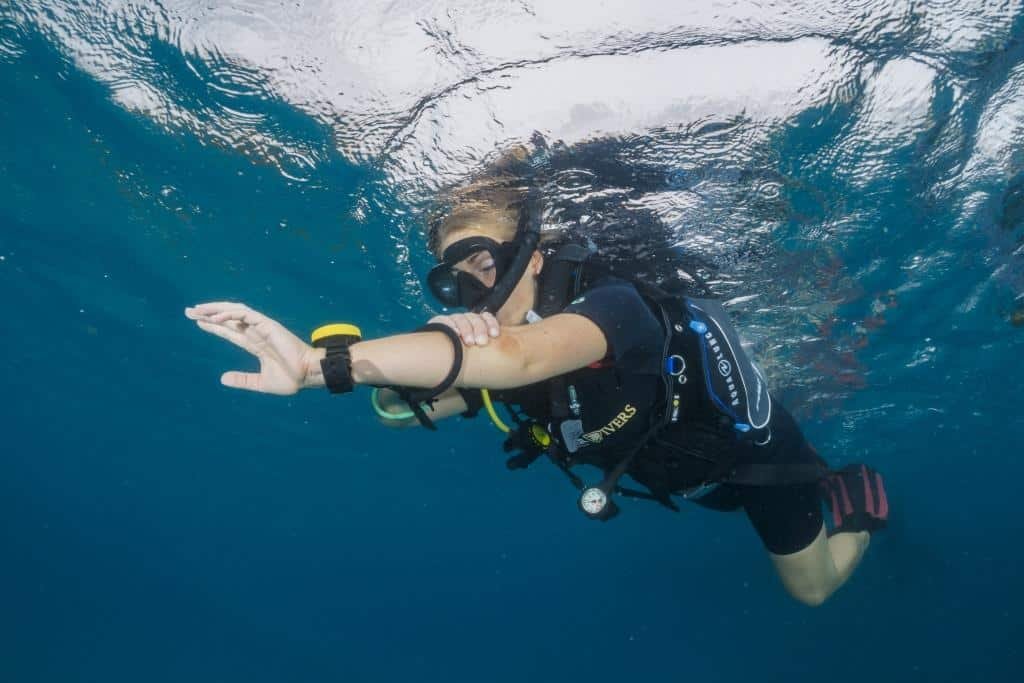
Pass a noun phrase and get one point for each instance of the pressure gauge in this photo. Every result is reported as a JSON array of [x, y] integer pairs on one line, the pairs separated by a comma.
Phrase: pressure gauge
[[593, 502]]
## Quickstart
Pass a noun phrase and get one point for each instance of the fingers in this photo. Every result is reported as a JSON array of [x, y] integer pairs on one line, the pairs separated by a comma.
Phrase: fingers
[[493, 328], [250, 381], [472, 328], [234, 336], [250, 327], [219, 311], [449, 321], [243, 315], [205, 310]]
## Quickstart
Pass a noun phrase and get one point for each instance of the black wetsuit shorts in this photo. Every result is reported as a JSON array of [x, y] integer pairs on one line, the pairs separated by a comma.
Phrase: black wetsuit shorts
[[787, 518]]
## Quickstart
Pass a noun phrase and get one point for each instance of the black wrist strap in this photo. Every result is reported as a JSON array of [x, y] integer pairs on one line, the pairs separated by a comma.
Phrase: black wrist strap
[[337, 368]]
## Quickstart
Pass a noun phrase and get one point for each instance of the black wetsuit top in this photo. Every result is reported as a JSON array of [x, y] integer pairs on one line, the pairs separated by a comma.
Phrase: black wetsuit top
[[619, 397]]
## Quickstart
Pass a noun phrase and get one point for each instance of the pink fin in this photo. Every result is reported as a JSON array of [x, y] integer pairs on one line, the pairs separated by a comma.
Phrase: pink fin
[[883, 500], [837, 517], [847, 505], [869, 498]]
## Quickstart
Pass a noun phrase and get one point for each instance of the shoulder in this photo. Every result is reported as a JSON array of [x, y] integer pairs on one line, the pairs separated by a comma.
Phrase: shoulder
[[608, 290], [627, 320]]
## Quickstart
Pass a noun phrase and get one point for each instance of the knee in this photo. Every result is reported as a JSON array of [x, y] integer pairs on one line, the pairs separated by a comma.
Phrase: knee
[[812, 597]]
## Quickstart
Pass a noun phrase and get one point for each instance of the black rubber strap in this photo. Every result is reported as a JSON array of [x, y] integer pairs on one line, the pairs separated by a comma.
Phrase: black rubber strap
[[421, 415], [337, 369], [416, 397], [422, 395]]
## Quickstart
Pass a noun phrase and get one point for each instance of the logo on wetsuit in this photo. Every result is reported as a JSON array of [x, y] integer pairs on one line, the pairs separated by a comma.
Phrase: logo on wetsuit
[[724, 367], [617, 423]]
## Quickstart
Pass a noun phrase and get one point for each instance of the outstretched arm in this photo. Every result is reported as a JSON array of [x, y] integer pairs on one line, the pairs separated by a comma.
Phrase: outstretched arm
[[520, 356]]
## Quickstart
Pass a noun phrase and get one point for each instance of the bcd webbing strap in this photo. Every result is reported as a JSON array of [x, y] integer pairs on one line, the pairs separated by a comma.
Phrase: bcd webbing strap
[[768, 474], [561, 284]]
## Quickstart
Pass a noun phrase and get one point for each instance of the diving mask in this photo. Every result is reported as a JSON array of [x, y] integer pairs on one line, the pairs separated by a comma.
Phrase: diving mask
[[469, 270], [456, 280]]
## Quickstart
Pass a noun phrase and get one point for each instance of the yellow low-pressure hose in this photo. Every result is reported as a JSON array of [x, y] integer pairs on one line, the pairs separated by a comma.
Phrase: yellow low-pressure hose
[[486, 395]]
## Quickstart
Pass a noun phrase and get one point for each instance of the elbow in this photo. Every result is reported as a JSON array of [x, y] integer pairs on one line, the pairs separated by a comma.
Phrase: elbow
[[816, 599], [811, 596]]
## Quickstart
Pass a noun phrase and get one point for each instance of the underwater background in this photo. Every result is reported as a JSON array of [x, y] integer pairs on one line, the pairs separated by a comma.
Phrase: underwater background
[[851, 174]]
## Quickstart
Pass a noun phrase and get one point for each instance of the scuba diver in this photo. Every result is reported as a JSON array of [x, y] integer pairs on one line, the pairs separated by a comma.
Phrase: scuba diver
[[594, 369]]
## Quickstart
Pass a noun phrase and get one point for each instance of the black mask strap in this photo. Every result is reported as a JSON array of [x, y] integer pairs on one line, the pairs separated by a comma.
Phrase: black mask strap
[[464, 248], [527, 238]]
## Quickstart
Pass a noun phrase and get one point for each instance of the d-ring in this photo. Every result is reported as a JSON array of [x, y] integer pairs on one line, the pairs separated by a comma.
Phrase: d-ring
[[675, 365]]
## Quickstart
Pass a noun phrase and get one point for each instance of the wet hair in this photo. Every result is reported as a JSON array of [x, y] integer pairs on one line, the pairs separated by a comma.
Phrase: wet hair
[[494, 197], [600, 202], [628, 240]]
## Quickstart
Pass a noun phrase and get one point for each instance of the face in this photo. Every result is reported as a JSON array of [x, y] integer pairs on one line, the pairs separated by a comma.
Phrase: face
[[481, 266]]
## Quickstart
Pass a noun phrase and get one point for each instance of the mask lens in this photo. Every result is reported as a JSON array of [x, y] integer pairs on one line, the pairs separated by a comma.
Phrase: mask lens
[[480, 265], [444, 284], [468, 272], [471, 290]]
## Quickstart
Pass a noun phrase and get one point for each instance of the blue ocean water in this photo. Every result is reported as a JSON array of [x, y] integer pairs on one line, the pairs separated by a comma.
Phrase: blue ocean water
[[852, 174]]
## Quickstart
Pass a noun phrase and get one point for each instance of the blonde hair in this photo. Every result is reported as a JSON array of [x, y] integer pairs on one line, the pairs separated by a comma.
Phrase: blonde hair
[[493, 200]]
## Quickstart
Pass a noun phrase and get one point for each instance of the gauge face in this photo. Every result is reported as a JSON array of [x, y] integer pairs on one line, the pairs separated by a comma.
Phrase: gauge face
[[593, 501]]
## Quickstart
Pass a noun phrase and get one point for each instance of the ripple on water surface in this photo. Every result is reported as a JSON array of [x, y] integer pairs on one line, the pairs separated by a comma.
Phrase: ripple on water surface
[[829, 165]]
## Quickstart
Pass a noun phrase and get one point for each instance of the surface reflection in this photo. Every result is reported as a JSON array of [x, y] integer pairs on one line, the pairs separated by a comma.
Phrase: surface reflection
[[784, 148]]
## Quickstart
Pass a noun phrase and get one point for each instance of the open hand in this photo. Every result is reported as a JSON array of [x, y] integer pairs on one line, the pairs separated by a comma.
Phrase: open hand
[[472, 328], [284, 358]]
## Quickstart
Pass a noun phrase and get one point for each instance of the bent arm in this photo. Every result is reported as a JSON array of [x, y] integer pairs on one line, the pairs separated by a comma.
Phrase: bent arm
[[520, 356], [397, 412]]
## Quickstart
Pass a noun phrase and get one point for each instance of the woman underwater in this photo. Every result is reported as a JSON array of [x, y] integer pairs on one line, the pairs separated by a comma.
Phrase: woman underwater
[[603, 371]]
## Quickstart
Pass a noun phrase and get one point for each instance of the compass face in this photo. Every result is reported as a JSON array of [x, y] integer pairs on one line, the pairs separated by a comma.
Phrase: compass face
[[593, 501]]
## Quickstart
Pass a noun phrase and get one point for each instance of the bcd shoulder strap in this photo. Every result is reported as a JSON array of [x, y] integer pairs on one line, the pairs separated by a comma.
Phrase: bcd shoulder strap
[[563, 277], [735, 384]]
